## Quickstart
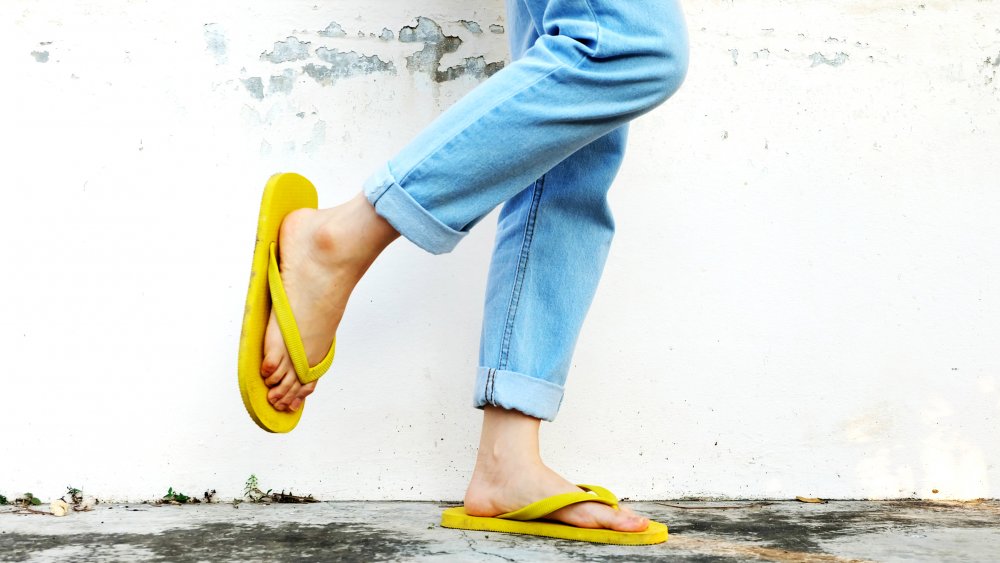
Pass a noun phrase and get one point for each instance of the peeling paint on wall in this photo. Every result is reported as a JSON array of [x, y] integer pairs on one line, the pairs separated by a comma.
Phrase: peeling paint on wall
[[335, 63], [476, 67], [215, 42], [281, 83], [333, 30], [344, 64], [255, 86], [291, 49], [990, 68], [436, 45], [819, 59], [472, 26]]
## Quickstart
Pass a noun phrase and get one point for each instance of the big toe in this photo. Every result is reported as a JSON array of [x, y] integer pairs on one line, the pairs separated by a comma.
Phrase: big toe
[[623, 520], [274, 349]]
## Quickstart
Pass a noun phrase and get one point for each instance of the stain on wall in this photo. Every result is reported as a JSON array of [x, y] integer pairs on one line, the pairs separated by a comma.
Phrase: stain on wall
[[215, 42], [40, 56], [255, 86], [291, 49], [819, 59], [281, 83], [990, 67]]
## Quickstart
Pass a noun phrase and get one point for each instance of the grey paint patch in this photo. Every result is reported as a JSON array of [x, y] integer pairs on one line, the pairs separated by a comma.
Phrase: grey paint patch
[[436, 46], [387, 34], [818, 59], [333, 30], [471, 26], [762, 54], [344, 64], [281, 83], [289, 50], [215, 42], [40, 56], [255, 86], [476, 67], [735, 54], [426, 31], [495, 28]]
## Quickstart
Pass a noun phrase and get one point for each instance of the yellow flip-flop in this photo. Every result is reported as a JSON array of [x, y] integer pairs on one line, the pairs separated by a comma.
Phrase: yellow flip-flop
[[283, 194], [530, 520]]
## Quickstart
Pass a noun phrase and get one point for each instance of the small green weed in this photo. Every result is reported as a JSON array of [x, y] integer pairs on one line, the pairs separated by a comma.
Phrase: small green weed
[[251, 490], [75, 495], [3, 501], [27, 499], [176, 496]]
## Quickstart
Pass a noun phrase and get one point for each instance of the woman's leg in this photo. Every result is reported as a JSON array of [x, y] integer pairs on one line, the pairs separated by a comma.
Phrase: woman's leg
[[595, 65], [551, 244]]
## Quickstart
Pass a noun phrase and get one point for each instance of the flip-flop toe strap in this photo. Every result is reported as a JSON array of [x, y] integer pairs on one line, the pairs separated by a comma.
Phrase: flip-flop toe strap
[[547, 506], [290, 330]]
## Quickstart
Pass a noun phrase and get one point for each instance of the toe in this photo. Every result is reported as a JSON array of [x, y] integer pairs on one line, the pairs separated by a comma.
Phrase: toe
[[274, 348], [303, 392], [278, 396], [284, 367], [285, 401], [625, 520]]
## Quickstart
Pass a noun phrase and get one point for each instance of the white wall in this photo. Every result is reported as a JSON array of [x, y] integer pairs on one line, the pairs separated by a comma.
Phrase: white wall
[[804, 297]]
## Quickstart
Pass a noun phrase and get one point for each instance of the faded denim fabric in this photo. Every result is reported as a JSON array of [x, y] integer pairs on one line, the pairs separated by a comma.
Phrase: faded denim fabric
[[546, 135]]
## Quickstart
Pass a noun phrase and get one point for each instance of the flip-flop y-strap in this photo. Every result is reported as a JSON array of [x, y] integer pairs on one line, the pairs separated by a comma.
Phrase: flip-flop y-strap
[[544, 507], [290, 330]]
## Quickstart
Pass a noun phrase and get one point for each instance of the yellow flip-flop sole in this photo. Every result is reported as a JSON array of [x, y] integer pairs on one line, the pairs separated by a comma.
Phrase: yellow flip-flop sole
[[530, 521], [283, 194]]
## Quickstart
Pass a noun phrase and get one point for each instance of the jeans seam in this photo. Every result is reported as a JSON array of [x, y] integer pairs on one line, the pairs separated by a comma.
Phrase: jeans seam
[[522, 266], [486, 390]]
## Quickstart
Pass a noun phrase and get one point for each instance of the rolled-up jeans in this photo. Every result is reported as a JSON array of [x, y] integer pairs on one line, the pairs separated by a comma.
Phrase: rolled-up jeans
[[545, 137]]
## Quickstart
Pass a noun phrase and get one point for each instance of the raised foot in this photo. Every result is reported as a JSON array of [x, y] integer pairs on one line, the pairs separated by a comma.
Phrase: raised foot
[[322, 255]]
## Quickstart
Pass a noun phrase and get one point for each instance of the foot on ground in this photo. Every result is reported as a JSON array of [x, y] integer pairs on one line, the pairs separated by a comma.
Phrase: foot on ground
[[500, 486]]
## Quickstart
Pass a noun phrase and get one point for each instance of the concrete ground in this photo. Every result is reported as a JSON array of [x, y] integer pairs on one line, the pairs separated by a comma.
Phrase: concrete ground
[[404, 531]]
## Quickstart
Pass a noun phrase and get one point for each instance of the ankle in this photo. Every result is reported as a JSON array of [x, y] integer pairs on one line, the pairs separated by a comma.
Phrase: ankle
[[509, 441], [352, 233]]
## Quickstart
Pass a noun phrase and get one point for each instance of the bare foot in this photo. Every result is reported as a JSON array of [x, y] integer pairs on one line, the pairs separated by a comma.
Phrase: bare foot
[[510, 475], [323, 255]]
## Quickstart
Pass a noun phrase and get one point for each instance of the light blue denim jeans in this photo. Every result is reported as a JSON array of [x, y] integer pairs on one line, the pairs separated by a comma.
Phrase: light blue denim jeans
[[545, 136]]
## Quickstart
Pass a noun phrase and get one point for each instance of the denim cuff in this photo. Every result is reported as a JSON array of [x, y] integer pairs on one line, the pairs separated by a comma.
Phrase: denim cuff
[[407, 216], [511, 390]]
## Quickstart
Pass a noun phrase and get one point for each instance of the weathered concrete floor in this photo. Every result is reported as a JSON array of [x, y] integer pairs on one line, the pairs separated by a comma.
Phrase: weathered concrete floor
[[394, 531]]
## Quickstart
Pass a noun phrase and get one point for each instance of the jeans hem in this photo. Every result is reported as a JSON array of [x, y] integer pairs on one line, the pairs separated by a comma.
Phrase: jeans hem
[[517, 391], [408, 217]]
